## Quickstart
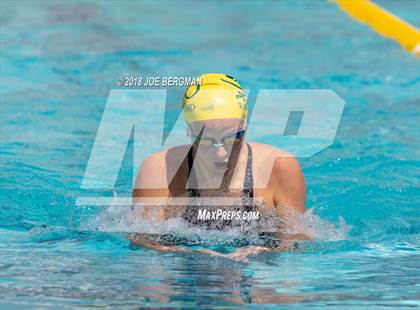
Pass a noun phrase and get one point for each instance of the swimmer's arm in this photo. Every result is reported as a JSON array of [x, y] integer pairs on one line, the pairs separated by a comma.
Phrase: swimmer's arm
[[241, 254], [289, 184], [290, 194], [146, 242], [288, 243], [151, 176]]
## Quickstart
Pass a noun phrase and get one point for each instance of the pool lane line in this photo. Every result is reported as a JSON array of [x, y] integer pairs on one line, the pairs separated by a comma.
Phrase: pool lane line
[[383, 22]]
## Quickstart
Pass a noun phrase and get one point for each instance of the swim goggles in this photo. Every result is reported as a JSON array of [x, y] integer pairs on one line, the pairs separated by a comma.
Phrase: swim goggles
[[224, 141]]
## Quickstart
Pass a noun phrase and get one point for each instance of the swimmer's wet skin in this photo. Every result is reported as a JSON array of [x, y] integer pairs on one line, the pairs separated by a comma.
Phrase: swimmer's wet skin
[[219, 163]]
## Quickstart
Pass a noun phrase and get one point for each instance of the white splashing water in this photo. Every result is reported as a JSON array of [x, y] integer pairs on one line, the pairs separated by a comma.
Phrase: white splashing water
[[126, 219]]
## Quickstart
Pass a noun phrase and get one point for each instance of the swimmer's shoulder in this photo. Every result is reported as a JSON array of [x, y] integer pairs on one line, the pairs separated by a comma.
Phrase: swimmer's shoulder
[[270, 161], [156, 167], [265, 154], [285, 177], [152, 172]]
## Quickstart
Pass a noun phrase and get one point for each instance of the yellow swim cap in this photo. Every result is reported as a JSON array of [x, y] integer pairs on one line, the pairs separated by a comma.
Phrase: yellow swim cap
[[216, 96]]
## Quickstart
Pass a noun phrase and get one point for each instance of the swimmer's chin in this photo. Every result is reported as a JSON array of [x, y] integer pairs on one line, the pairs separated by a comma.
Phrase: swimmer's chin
[[220, 165]]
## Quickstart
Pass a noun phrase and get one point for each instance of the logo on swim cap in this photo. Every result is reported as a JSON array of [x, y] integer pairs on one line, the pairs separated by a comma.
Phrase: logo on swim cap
[[241, 100], [189, 107], [219, 96], [191, 91]]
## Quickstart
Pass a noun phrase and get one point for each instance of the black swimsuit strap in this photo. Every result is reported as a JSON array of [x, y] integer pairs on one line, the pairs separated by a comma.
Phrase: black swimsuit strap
[[249, 179], [248, 188], [192, 192]]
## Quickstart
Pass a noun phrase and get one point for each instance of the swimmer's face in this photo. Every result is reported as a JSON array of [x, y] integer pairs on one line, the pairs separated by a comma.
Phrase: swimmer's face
[[217, 141]]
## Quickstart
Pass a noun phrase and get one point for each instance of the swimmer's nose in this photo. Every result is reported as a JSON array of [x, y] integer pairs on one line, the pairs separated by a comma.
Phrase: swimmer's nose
[[221, 152]]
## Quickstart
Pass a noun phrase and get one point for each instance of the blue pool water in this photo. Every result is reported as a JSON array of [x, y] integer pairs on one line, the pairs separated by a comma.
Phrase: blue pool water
[[58, 63]]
